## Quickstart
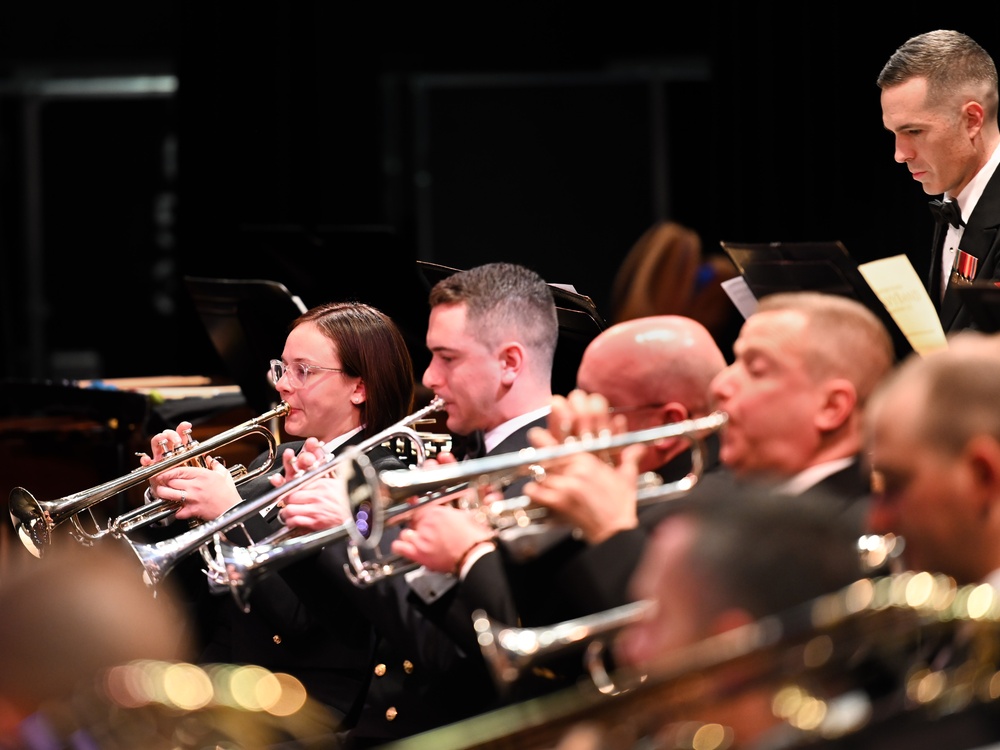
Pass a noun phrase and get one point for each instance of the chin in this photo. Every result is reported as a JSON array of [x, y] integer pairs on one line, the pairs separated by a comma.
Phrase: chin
[[293, 427]]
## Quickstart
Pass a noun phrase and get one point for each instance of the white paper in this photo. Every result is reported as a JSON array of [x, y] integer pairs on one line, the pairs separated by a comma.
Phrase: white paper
[[900, 289], [740, 295]]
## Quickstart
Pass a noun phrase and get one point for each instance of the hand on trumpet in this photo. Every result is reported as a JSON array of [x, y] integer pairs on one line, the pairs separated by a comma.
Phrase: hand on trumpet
[[200, 491], [166, 443], [593, 492], [442, 536], [315, 506]]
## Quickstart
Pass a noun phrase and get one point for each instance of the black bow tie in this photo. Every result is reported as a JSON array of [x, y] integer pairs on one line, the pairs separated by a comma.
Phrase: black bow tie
[[946, 213]]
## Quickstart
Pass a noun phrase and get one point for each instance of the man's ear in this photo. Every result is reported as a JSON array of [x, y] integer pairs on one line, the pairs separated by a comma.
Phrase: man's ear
[[982, 457], [973, 117], [511, 357], [839, 402], [670, 413]]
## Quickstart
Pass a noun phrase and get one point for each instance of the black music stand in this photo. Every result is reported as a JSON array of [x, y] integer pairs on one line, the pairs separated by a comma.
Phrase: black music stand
[[982, 298], [247, 321], [774, 267], [579, 323]]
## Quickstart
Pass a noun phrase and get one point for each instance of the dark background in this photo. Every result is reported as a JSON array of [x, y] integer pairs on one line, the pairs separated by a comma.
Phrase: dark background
[[328, 146]]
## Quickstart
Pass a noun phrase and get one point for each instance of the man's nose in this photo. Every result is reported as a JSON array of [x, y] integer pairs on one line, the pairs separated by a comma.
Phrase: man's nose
[[721, 387], [428, 379], [902, 153]]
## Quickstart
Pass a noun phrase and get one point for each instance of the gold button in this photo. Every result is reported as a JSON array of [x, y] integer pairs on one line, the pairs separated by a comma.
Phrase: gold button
[[390, 713], [379, 670], [408, 666], [276, 638]]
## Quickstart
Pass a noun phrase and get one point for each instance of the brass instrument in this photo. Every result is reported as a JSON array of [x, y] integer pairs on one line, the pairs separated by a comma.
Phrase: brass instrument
[[804, 664], [236, 567], [509, 651], [519, 512], [442, 483], [34, 520]]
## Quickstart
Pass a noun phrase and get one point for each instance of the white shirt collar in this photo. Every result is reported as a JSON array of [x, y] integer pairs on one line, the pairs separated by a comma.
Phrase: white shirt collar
[[338, 441], [498, 434], [812, 476]]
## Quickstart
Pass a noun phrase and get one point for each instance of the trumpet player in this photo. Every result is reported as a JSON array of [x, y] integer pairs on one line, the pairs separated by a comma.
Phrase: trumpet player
[[637, 374], [805, 365], [540, 590], [492, 335], [346, 374], [714, 567], [933, 438]]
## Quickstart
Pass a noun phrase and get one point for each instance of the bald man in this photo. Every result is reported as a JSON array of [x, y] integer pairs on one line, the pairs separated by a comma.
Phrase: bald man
[[638, 374]]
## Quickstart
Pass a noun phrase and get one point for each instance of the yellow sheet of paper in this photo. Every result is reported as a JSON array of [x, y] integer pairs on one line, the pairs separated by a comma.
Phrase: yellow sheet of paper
[[902, 292]]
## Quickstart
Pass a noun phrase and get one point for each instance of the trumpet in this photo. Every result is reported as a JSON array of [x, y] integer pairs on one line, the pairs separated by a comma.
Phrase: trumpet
[[237, 567], [801, 660], [34, 520], [442, 483], [509, 651]]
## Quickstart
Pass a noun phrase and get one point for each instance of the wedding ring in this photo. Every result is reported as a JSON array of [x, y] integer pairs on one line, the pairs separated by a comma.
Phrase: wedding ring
[[183, 496]]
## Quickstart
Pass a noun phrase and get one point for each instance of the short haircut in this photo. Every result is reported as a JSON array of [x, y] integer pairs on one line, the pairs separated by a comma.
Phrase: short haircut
[[951, 62], [844, 338], [504, 300], [960, 390], [371, 347]]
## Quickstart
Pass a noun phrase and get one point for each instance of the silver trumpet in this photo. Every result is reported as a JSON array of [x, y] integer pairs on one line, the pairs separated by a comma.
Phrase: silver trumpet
[[34, 520], [510, 651], [445, 482], [236, 566]]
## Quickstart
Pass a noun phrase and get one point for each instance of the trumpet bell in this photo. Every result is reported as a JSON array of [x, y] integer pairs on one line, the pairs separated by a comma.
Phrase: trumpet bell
[[509, 651], [29, 521]]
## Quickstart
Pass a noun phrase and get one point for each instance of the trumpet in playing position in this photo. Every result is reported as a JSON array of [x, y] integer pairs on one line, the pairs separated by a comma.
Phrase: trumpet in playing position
[[443, 483], [34, 520], [371, 495], [238, 567]]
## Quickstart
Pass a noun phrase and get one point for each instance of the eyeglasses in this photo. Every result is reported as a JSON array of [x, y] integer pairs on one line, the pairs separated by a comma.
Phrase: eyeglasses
[[297, 372]]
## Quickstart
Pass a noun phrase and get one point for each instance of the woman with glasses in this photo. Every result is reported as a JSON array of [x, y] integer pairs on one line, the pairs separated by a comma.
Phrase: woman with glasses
[[346, 375]]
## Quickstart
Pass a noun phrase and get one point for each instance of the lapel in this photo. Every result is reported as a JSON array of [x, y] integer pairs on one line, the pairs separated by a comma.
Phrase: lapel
[[978, 238], [934, 277], [518, 439], [513, 443]]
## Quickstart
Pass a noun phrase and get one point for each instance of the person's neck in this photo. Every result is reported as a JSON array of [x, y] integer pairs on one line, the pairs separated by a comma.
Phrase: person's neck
[[512, 406], [343, 428], [834, 446]]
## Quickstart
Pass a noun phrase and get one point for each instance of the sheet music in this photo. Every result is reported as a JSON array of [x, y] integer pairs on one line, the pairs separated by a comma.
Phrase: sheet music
[[897, 285], [740, 295]]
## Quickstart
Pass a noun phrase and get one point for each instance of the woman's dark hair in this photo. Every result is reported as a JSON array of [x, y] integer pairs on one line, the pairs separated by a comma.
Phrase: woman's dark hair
[[371, 347]]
